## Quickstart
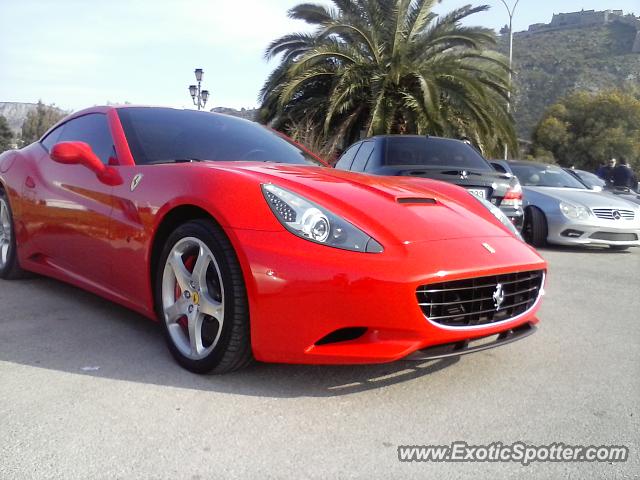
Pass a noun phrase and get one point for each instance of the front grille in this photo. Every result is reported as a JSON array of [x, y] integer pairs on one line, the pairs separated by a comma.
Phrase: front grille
[[480, 301], [615, 237], [610, 214]]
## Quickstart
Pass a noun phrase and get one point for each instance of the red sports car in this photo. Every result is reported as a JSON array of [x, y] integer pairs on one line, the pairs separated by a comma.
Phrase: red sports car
[[244, 245]]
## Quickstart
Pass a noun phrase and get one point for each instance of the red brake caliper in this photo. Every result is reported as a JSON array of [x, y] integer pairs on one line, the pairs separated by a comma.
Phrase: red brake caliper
[[189, 263]]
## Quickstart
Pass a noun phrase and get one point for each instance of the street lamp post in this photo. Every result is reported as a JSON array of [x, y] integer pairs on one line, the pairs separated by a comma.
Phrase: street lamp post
[[511, 11], [198, 95]]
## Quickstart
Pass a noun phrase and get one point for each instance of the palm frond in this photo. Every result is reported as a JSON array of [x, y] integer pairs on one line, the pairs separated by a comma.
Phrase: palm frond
[[389, 66]]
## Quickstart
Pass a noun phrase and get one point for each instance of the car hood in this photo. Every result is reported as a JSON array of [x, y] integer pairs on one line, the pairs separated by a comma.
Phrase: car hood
[[630, 196], [587, 198], [404, 210]]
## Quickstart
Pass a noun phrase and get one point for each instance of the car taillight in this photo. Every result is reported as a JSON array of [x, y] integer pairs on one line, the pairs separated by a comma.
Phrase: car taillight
[[513, 197]]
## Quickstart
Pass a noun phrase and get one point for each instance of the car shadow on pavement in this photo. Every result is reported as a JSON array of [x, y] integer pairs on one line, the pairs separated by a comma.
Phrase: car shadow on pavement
[[65, 329]]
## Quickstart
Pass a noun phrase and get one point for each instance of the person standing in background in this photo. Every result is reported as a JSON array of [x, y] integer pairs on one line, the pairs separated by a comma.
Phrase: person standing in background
[[623, 177], [604, 172]]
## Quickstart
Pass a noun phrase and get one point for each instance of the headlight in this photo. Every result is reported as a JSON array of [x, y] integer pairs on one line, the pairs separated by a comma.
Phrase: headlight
[[499, 214], [312, 222], [574, 212]]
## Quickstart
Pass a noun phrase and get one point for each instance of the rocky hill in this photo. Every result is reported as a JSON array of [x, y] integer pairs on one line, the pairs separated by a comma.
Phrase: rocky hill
[[581, 51], [15, 113]]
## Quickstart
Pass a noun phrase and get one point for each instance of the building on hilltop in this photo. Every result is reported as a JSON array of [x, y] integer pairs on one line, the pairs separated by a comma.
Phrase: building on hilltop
[[585, 18], [590, 18]]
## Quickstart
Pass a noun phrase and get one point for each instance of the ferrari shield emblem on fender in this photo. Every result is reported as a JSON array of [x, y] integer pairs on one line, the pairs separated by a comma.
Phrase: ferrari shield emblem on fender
[[136, 181]]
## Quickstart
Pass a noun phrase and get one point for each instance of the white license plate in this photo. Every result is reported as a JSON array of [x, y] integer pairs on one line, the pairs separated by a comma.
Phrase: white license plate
[[478, 192]]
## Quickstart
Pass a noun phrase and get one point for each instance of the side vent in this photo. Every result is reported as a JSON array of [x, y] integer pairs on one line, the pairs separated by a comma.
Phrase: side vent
[[342, 335]]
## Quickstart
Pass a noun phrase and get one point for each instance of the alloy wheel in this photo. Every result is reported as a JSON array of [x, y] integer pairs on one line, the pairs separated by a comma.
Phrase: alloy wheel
[[5, 233], [193, 298]]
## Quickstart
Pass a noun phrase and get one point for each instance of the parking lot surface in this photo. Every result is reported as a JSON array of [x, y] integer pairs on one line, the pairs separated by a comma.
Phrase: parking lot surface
[[88, 390]]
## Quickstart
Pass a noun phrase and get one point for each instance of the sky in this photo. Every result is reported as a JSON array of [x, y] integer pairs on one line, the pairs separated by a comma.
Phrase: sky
[[78, 53]]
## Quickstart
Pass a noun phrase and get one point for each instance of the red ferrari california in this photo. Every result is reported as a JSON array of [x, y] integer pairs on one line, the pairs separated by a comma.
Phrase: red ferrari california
[[245, 246]]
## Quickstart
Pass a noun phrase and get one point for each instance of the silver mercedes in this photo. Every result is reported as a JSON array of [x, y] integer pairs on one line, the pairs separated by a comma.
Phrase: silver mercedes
[[560, 209]]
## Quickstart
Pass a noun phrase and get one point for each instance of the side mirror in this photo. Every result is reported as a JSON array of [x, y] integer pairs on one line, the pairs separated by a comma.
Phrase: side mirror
[[80, 153]]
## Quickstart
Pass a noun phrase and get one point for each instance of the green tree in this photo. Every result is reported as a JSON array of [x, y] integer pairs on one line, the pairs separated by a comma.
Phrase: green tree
[[38, 121], [389, 66], [5, 134], [586, 129], [309, 134]]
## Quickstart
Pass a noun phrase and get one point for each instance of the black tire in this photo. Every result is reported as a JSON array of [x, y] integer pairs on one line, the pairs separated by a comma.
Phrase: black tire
[[10, 270], [535, 227], [233, 350], [619, 248]]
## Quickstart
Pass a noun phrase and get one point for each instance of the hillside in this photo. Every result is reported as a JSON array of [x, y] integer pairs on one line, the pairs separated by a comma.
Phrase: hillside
[[551, 63], [247, 114], [15, 113]]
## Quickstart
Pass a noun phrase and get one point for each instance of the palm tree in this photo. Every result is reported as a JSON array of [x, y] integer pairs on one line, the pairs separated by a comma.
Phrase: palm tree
[[389, 66]]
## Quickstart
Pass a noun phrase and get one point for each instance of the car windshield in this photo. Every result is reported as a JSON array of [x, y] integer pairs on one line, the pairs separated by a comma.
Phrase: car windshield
[[590, 179], [165, 135], [539, 175], [433, 152]]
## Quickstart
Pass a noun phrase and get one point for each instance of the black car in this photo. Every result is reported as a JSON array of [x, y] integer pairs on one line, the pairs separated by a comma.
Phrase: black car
[[437, 158]]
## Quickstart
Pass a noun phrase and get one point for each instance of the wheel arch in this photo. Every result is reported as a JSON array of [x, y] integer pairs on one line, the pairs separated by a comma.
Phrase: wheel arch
[[531, 207], [4, 188], [172, 220], [177, 216]]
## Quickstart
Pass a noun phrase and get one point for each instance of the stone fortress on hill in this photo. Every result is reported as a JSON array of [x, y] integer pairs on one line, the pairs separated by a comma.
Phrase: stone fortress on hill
[[589, 18]]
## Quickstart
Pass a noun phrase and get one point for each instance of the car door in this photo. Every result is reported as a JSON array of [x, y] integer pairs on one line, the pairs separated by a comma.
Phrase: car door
[[71, 216]]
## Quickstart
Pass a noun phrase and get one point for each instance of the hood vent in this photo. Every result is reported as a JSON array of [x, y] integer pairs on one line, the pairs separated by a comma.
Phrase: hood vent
[[417, 201]]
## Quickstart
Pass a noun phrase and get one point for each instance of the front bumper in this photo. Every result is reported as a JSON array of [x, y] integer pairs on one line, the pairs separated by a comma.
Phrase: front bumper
[[466, 347], [563, 231], [301, 292], [516, 215]]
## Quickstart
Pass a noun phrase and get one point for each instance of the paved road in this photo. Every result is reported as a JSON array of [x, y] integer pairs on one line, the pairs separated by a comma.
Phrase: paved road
[[140, 416]]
